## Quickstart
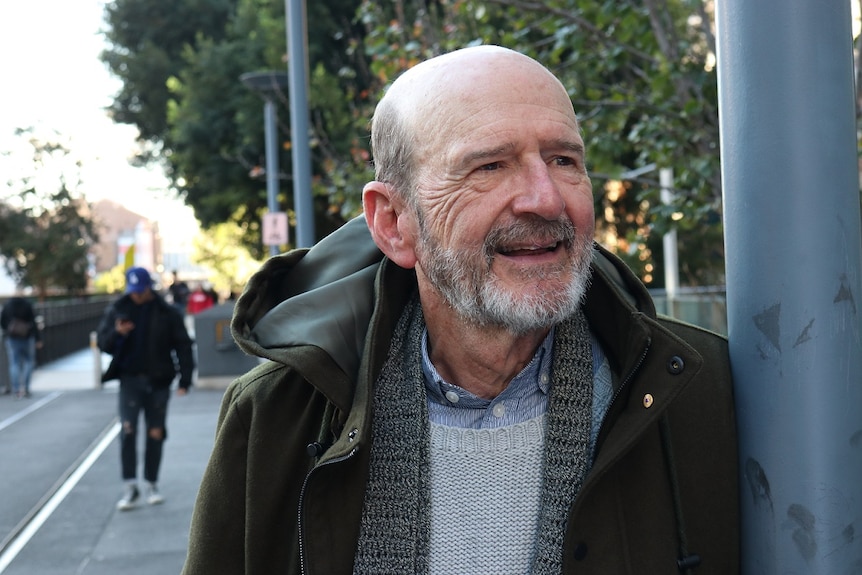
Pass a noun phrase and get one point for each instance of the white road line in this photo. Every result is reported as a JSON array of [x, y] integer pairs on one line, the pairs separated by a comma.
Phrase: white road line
[[30, 409], [16, 545]]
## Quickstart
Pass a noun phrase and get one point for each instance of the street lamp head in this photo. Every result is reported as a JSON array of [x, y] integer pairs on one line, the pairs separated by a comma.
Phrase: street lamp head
[[266, 83]]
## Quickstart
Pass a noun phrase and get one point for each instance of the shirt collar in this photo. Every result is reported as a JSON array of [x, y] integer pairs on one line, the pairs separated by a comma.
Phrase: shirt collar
[[536, 375]]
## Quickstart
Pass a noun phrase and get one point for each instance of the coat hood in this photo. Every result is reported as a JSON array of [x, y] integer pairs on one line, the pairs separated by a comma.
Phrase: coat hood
[[322, 296]]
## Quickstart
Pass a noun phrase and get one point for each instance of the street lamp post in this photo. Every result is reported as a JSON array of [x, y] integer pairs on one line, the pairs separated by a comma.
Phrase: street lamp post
[[297, 42], [268, 84]]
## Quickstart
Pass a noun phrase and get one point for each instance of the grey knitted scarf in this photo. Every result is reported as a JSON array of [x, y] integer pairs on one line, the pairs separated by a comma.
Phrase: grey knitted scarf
[[394, 532]]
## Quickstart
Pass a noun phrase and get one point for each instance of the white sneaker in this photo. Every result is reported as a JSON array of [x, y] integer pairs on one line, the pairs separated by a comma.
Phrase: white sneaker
[[153, 495], [130, 498]]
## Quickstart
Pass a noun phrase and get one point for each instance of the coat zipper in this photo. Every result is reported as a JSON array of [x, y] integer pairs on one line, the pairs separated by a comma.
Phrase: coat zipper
[[622, 386], [302, 503]]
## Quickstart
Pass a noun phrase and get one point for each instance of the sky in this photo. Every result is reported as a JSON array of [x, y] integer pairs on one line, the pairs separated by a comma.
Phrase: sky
[[51, 78]]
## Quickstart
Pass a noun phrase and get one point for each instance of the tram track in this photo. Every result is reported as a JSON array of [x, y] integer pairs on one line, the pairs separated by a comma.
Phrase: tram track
[[18, 537], [60, 483], [47, 443], [19, 415]]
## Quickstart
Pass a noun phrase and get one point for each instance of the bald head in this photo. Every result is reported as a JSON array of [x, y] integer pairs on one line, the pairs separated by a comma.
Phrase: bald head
[[464, 73], [430, 101]]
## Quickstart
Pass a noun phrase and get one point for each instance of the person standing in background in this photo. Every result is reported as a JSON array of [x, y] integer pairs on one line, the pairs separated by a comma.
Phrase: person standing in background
[[18, 321], [150, 345], [199, 300]]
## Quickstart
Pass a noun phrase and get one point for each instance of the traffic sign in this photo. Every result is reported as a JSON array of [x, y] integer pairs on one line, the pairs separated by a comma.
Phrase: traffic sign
[[275, 229]]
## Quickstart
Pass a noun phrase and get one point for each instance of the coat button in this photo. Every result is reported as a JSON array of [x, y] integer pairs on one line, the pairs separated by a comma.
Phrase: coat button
[[580, 552], [675, 365]]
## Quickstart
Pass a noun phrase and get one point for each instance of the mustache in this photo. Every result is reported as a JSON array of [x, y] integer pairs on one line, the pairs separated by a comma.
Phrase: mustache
[[529, 229]]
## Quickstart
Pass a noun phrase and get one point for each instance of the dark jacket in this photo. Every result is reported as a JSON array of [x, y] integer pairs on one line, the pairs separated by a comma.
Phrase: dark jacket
[[167, 349], [20, 309], [284, 489]]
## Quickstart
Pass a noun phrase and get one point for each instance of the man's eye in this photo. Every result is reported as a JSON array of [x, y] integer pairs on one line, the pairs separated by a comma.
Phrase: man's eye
[[489, 167], [564, 161]]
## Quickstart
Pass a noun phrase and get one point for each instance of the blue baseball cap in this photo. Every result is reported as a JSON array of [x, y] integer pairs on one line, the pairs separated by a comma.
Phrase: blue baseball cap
[[138, 280]]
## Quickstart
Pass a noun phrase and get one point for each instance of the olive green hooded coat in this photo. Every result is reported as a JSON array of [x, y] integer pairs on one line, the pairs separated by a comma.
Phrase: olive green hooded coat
[[284, 488]]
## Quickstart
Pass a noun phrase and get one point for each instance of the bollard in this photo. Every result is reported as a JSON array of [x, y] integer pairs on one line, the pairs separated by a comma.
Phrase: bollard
[[97, 360]]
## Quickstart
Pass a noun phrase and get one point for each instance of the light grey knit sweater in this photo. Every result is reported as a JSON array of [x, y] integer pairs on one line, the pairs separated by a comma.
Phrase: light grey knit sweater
[[485, 498]]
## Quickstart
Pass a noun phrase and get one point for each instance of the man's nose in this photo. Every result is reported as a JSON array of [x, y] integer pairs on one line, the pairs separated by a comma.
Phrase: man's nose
[[539, 194]]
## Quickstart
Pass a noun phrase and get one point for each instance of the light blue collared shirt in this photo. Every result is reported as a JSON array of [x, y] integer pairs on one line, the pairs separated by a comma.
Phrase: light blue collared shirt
[[524, 398]]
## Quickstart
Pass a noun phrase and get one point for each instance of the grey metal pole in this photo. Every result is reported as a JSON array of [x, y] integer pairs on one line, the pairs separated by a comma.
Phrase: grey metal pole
[[794, 254], [669, 243], [271, 144], [297, 73]]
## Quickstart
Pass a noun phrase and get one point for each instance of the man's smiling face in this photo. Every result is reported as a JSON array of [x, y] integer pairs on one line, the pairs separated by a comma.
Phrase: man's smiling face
[[505, 210]]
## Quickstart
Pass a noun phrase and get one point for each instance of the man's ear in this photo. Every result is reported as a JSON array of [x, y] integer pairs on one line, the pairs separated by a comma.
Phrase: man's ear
[[391, 223]]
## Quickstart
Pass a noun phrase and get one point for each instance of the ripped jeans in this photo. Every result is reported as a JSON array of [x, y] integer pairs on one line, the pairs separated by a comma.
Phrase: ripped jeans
[[136, 395]]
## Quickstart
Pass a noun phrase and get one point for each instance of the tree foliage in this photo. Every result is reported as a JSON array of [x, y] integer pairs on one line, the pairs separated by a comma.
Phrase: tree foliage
[[47, 231], [148, 38], [210, 138], [111, 281], [220, 250], [641, 79], [639, 73]]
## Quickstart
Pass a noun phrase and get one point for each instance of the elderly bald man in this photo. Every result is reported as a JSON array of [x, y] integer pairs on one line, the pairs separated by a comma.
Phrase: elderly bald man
[[462, 381]]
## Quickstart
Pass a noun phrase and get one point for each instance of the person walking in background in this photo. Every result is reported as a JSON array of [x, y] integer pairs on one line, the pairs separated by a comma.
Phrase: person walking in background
[[462, 381], [149, 345], [179, 292], [22, 339]]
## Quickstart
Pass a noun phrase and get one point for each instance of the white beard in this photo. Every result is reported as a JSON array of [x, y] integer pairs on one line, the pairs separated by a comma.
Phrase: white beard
[[464, 279]]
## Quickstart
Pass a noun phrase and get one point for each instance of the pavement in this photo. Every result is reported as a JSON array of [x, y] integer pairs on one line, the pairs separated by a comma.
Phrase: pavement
[[85, 533], [78, 371]]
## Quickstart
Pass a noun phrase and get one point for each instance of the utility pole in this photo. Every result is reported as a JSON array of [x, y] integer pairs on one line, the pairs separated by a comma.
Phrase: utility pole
[[794, 254], [297, 72], [669, 243], [670, 246]]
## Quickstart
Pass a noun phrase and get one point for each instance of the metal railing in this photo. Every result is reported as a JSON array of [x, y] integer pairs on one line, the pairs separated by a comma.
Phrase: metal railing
[[703, 307]]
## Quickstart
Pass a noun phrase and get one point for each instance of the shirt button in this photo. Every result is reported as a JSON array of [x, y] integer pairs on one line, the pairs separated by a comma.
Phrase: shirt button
[[452, 397], [544, 378], [499, 410]]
